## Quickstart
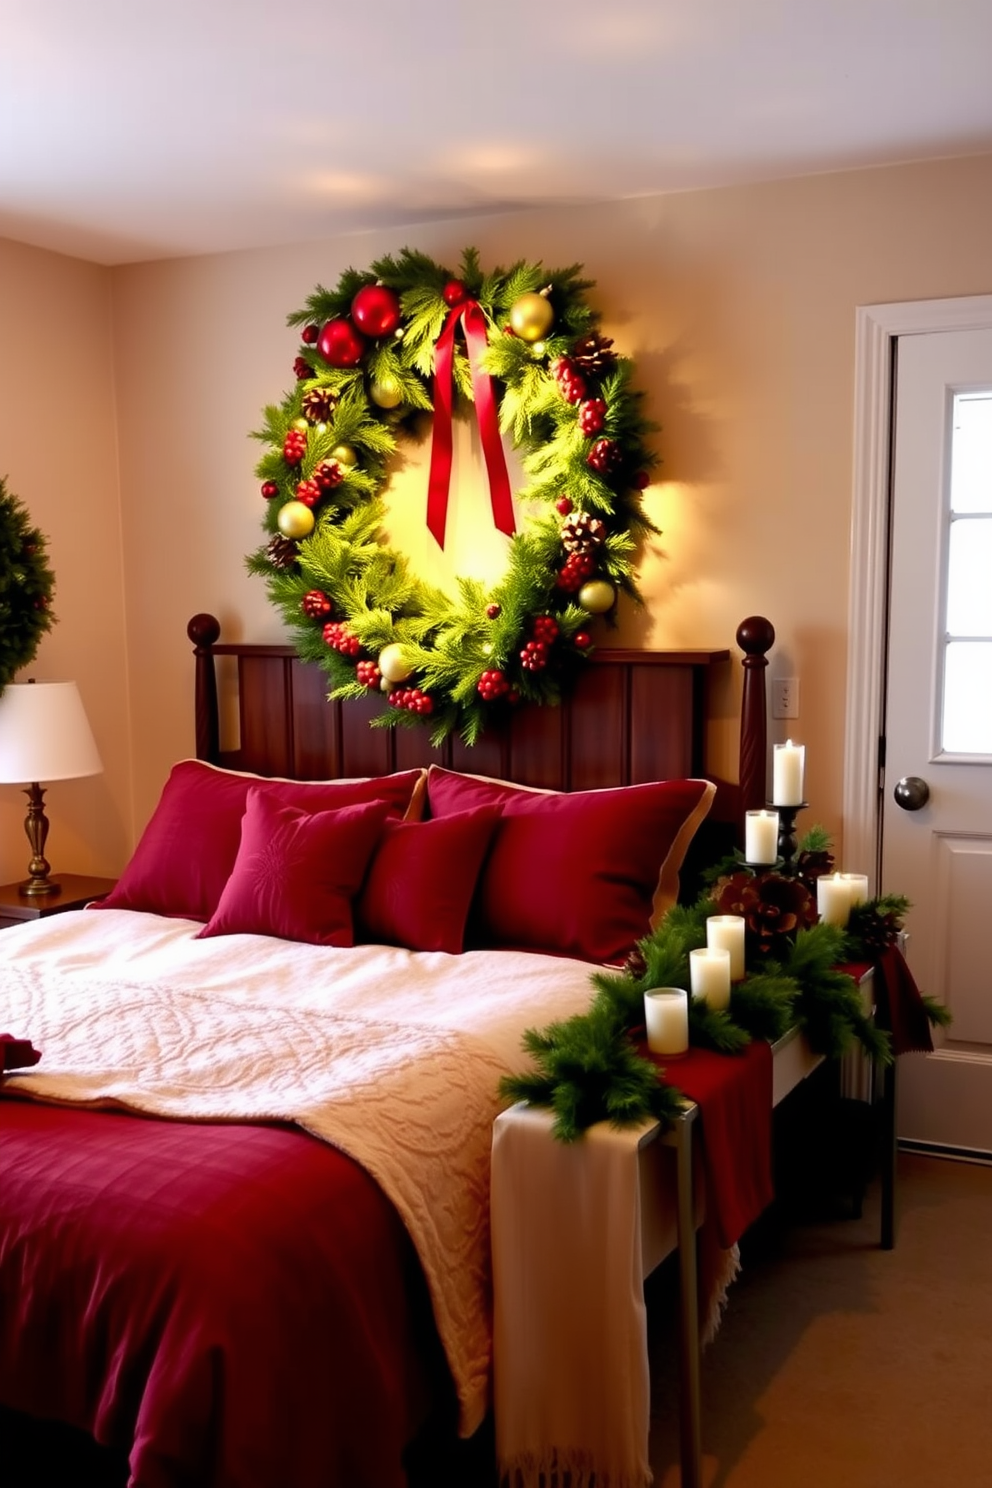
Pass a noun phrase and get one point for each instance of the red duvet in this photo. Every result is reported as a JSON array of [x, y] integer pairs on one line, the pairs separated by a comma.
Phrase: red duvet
[[234, 1306]]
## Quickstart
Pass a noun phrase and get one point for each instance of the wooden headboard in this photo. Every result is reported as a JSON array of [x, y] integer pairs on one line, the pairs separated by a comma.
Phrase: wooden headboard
[[632, 716]]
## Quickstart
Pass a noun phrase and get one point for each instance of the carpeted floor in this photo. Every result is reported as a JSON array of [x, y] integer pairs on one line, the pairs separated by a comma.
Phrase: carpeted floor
[[838, 1365]]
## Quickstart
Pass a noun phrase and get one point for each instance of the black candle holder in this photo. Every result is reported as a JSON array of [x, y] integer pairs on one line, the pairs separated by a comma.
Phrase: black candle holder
[[788, 842]]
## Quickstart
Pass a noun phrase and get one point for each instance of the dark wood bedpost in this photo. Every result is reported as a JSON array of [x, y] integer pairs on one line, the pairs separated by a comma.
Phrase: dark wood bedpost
[[755, 636], [203, 631]]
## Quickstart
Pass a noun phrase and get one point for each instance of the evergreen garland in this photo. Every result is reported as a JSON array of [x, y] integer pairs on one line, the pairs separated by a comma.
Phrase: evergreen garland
[[567, 402], [26, 587], [588, 1069]]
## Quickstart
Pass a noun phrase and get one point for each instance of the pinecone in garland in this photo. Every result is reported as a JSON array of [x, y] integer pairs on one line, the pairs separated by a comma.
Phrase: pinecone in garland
[[281, 551], [582, 533], [871, 932], [317, 405], [810, 865], [593, 356]]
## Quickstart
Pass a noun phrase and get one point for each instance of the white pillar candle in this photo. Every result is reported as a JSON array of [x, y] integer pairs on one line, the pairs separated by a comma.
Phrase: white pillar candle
[[857, 883], [666, 1016], [709, 976], [726, 932], [760, 836], [788, 766], [833, 899]]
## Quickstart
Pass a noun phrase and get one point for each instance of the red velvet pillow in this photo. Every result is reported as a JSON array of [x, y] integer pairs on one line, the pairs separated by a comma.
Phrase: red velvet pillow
[[581, 873], [297, 872], [187, 850], [419, 888]]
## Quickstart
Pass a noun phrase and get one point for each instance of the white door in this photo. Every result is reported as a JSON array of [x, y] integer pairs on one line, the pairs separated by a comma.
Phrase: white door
[[937, 811]]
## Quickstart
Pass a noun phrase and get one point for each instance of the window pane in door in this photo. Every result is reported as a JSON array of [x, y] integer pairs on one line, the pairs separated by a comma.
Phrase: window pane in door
[[968, 698], [971, 452], [969, 577]]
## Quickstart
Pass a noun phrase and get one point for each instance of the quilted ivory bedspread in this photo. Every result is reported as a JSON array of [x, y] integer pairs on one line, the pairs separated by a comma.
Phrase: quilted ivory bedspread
[[390, 1055]]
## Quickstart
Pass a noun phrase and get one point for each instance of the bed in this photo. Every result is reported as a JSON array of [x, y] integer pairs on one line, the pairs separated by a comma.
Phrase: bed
[[244, 1229]]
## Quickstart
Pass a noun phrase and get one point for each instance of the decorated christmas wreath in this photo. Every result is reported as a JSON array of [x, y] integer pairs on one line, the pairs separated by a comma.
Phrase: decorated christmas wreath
[[26, 587], [381, 351]]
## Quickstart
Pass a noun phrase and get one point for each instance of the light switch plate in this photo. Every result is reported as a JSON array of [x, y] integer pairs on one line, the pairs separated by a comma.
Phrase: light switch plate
[[785, 697]]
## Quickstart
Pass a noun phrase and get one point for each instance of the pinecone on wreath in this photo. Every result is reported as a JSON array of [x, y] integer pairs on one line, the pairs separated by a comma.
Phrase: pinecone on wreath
[[281, 551], [318, 404], [592, 354], [582, 533]]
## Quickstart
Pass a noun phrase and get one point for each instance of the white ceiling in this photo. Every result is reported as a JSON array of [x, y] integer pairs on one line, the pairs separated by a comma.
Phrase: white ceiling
[[135, 129]]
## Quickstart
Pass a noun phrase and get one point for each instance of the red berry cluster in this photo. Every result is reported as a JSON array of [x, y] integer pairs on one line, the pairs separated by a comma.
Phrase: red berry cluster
[[269, 490], [592, 416], [605, 457], [534, 656], [571, 383], [340, 638], [316, 604], [577, 569], [308, 492], [492, 685], [412, 699], [302, 369], [368, 674], [294, 446], [545, 629], [328, 474]]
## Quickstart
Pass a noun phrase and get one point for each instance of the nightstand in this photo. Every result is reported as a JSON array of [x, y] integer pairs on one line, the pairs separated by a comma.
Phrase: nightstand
[[74, 891]]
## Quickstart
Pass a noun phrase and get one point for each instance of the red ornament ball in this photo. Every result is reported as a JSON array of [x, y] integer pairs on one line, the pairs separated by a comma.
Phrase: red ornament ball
[[492, 611], [340, 344], [582, 639], [270, 490], [642, 480], [376, 310], [453, 293], [564, 506], [310, 334]]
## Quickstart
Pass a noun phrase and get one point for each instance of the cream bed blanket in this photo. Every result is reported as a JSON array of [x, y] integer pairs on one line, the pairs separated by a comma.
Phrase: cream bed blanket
[[390, 1055]]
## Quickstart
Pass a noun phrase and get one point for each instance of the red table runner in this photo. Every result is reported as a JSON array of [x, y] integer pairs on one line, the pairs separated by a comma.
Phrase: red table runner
[[734, 1095]]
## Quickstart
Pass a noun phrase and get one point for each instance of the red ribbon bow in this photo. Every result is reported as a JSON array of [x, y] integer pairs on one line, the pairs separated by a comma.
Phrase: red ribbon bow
[[473, 322]]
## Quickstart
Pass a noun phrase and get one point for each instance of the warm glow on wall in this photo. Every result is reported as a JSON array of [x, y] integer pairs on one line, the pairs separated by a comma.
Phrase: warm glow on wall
[[473, 549]]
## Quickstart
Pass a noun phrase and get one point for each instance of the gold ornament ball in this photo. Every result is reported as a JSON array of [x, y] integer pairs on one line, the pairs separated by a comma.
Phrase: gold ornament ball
[[295, 520], [597, 596], [386, 392], [393, 663], [345, 455], [301, 424], [531, 316]]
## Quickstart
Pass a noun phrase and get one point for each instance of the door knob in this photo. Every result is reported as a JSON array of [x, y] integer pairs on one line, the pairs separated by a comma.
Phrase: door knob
[[911, 793]]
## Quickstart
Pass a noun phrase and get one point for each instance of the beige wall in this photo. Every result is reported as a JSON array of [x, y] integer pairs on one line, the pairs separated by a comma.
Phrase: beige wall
[[737, 305], [58, 449]]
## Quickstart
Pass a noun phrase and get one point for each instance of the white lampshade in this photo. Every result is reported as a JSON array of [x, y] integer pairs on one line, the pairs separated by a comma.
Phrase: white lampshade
[[45, 734]]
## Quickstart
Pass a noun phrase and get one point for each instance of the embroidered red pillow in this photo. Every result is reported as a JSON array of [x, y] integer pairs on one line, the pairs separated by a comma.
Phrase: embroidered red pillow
[[419, 888], [581, 873], [296, 872], [187, 850]]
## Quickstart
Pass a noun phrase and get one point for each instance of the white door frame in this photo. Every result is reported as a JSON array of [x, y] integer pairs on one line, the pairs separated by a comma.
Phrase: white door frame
[[876, 330]]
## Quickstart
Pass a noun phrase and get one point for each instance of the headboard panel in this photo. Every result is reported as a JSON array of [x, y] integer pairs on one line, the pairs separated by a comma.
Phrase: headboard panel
[[632, 716]]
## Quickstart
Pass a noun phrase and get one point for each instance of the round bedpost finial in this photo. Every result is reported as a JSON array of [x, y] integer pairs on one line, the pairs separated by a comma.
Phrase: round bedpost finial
[[755, 635], [203, 630]]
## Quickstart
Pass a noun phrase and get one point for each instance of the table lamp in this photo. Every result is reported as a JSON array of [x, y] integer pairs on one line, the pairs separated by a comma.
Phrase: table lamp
[[44, 735]]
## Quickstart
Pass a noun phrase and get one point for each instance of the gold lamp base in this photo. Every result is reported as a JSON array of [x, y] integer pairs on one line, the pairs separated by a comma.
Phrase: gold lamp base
[[36, 827]]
